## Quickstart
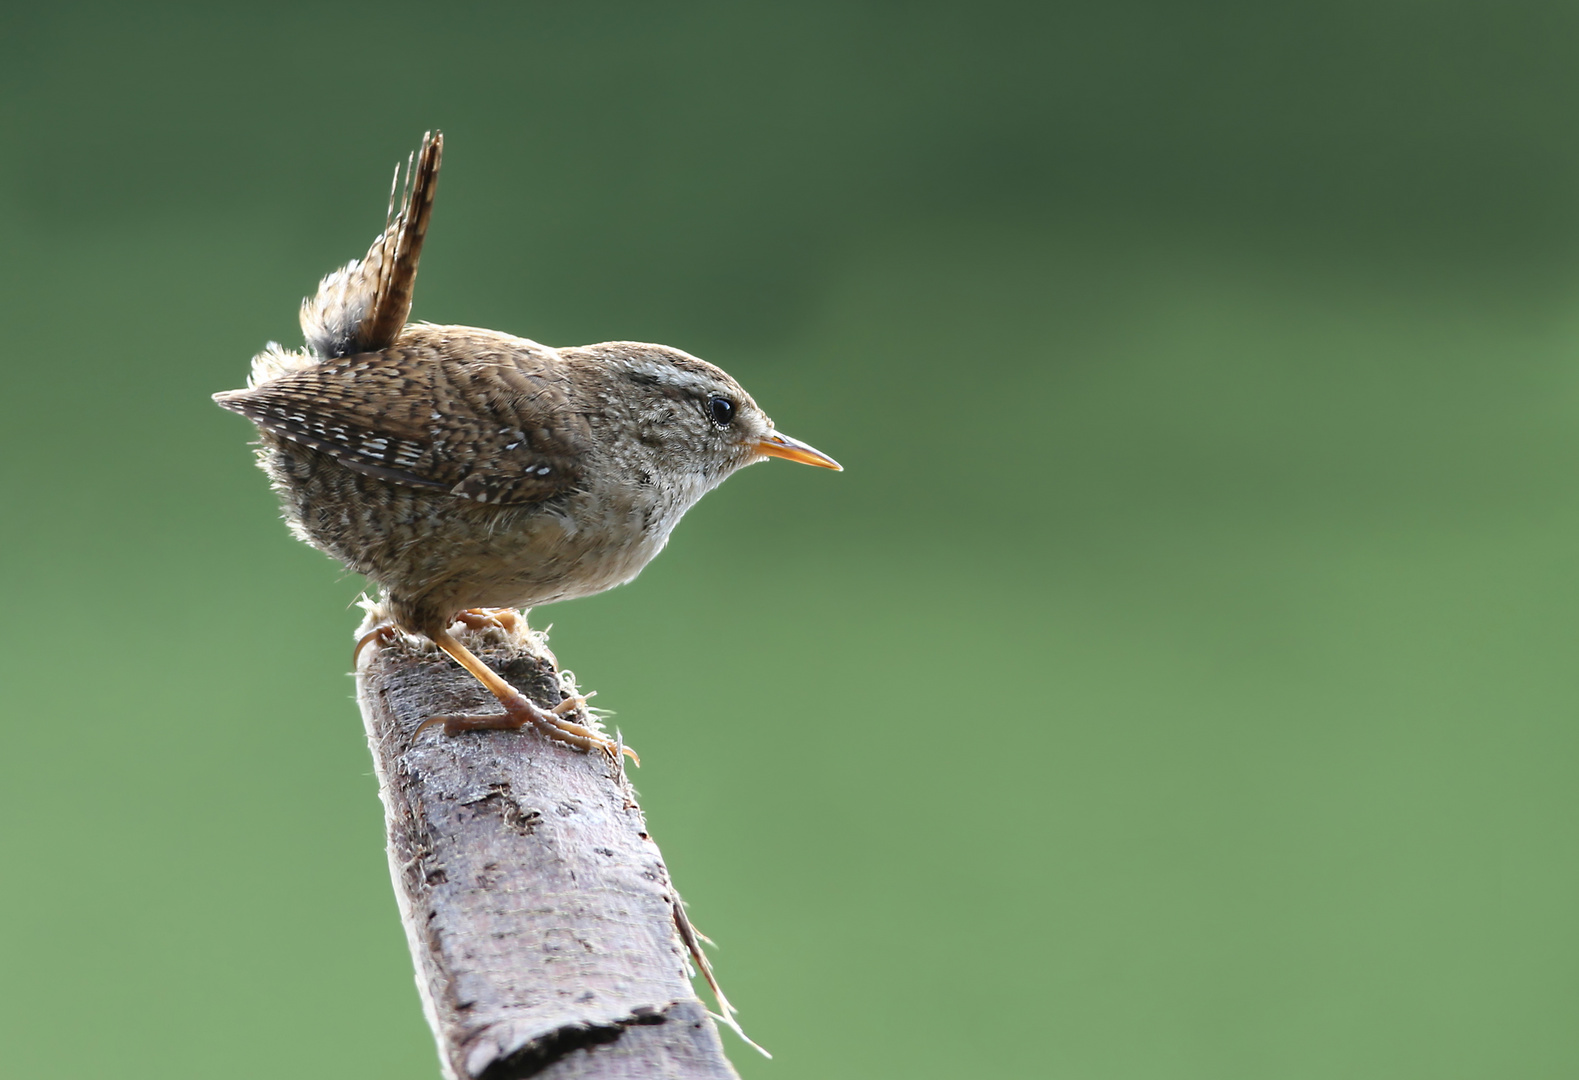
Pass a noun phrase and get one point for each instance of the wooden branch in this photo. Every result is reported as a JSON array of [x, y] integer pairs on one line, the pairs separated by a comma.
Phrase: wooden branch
[[547, 938]]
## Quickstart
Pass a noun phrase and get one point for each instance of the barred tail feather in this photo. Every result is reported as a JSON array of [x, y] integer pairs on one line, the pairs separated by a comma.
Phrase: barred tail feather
[[363, 306]]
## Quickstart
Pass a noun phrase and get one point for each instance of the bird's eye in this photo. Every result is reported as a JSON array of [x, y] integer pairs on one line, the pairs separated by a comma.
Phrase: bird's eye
[[721, 409]]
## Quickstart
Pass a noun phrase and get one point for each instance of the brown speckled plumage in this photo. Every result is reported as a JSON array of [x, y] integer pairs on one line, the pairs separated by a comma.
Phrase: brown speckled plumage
[[461, 468]]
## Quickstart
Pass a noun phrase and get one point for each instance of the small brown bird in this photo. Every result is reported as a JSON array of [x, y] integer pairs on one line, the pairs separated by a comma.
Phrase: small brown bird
[[464, 469]]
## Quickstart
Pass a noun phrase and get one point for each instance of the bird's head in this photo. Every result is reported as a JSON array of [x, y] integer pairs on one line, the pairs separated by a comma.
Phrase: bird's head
[[694, 418]]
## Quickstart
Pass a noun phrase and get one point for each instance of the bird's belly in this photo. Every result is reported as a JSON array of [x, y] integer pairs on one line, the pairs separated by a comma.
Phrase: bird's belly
[[564, 553], [432, 551]]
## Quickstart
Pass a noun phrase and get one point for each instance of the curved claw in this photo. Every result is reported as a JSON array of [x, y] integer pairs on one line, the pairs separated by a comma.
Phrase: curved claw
[[381, 634], [572, 704], [429, 722], [489, 619]]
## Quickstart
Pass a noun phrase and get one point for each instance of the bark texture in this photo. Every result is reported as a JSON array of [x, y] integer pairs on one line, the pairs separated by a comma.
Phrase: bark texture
[[547, 938]]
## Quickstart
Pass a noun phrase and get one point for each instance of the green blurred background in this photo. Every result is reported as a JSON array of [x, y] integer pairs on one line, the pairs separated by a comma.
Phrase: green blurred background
[[1179, 681]]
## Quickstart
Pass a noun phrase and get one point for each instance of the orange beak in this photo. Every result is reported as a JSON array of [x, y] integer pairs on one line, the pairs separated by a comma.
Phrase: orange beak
[[776, 445]]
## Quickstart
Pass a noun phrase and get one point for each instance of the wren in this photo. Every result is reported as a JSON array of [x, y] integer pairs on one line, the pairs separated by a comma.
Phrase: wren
[[467, 472]]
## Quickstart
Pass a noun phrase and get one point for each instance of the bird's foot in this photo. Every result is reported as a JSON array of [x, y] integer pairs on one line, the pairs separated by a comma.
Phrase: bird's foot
[[521, 711], [483, 618], [383, 635]]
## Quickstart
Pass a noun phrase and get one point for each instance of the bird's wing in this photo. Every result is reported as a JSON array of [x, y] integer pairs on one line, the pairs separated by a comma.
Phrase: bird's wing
[[498, 431], [362, 306]]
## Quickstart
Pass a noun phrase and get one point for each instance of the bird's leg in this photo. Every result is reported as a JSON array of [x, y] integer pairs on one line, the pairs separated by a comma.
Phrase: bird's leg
[[519, 710]]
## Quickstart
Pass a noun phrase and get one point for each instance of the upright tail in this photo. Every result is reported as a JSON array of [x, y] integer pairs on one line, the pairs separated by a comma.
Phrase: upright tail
[[363, 306]]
